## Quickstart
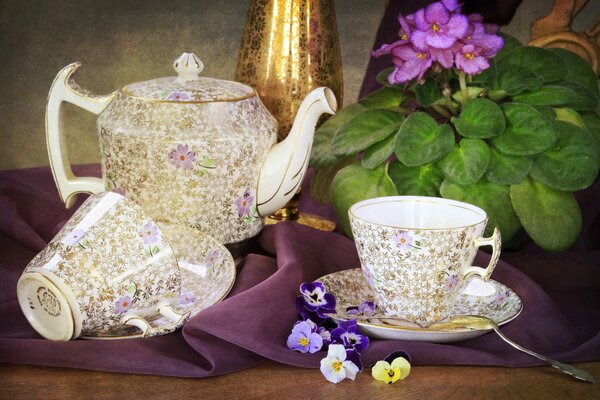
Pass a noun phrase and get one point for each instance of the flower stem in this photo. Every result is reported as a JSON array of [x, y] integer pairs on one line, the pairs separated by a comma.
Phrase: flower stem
[[463, 87], [440, 110]]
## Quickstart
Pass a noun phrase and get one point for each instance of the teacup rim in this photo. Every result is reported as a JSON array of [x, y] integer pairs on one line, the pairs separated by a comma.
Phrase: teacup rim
[[425, 199]]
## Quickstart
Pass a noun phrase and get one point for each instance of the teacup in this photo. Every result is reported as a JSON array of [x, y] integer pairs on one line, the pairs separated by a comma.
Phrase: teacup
[[416, 252], [109, 266]]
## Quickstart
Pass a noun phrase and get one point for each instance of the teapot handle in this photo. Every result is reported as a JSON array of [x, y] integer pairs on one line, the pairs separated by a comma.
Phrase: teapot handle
[[65, 89]]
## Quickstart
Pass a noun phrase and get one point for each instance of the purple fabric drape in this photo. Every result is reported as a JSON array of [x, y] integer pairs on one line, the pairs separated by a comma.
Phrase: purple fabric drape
[[561, 315]]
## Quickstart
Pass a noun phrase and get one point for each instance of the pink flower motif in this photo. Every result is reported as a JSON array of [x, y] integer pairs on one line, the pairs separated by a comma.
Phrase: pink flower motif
[[187, 298], [501, 297], [123, 305], [212, 257], [451, 282], [74, 237], [403, 240], [244, 204], [148, 233], [179, 96], [182, 157]]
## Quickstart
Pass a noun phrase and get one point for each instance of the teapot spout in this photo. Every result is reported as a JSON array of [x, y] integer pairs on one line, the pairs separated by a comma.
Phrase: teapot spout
[[287, 161]]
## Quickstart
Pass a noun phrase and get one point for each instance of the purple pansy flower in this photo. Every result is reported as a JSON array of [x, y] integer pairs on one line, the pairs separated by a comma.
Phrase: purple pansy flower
[[187, 299], [244, 203], [304, 339], [74, 237], [437, 27], [182, 157], [403, 240], [347, 334], [148, 233], [325, 335], [178, 95], [123, 305], [365, 309]]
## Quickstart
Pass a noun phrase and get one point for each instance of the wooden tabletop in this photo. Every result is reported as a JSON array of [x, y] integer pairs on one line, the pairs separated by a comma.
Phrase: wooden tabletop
[[276, 381]]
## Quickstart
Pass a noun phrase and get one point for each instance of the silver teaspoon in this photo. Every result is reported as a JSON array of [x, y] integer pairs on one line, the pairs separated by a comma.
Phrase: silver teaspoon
[[480, 323]]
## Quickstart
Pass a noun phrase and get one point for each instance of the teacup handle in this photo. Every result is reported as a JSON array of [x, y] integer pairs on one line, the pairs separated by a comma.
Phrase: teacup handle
[[496, 242], [167, 311]]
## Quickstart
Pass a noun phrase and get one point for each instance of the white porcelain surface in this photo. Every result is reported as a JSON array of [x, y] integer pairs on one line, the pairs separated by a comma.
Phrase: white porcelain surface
[[189, 149], [491, 299], [207, 275], [417, 252]]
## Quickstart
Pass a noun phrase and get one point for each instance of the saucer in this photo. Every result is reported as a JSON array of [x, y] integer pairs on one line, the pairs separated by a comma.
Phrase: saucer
[[207, 275], [491, 299]]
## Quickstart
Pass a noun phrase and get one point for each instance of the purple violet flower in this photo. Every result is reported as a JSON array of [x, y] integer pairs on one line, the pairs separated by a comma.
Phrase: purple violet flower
[[304, 339], [470, 60], [438, 27], [123, 305], [347, 334], [366, 309]]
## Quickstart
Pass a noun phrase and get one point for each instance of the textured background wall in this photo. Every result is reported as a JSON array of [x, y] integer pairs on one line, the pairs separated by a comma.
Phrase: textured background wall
[[120, 42]]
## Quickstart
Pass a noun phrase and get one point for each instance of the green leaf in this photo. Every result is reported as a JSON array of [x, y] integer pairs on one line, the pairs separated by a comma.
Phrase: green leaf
[[547, 112], [513, 79], [493, 198], [467, 163], [416, 181], [527, 131], [428, 93], [386, 97], [543, 62], [365, 129], [592, 122], [510, 43], [507, 170], [379, 152], [548, 95], [480, 119], [584, 99], [572, 163], [551, 217], [382, 77], [353, 184], [421, 140], [320, 184], [322, 155], [578, 70]]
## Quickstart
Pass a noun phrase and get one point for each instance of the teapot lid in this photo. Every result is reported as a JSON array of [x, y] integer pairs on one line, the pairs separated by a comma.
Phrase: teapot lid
[[188, 86]]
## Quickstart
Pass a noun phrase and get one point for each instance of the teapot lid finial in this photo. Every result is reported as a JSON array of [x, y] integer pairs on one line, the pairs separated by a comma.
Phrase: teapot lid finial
[[188, 66]]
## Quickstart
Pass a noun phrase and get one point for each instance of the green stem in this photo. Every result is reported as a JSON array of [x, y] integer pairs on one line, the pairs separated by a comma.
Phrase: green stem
[[440, 110], [463, 87]]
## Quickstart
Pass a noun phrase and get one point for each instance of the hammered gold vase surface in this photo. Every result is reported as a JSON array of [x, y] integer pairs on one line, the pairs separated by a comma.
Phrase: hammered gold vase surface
[[290, 47]]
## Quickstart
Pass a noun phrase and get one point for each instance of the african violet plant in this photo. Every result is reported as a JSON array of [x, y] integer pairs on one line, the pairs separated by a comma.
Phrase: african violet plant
[[472, 115]]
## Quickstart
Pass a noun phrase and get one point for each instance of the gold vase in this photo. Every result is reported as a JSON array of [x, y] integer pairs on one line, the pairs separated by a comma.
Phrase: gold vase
[[290, 47]]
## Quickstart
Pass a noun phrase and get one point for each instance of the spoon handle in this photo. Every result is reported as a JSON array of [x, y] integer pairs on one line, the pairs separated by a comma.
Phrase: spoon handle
[[566, 368]]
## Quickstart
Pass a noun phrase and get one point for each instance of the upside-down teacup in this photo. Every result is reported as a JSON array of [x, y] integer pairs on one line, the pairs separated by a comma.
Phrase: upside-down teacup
[[417, 252], [109, 266]]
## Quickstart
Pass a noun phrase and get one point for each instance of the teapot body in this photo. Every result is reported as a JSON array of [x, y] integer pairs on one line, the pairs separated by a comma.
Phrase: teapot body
[[191, 162]]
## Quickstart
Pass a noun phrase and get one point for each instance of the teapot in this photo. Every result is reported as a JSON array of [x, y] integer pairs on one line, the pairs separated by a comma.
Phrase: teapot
[[189, 149]]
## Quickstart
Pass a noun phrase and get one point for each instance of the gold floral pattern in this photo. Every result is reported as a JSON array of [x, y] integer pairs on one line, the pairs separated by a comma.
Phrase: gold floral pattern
[[416, 273], [118, 261], [490, 299], [207, 275], [223, 143]]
